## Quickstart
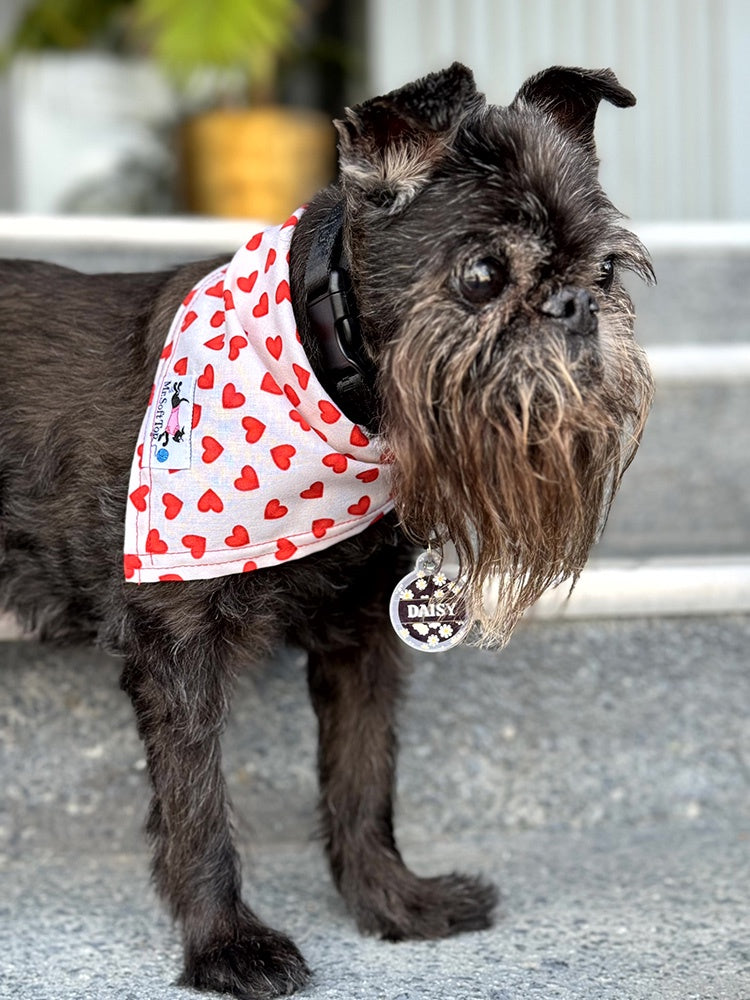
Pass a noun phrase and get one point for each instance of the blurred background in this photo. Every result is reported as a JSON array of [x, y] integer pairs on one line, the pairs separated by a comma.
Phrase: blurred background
[[157, 107]]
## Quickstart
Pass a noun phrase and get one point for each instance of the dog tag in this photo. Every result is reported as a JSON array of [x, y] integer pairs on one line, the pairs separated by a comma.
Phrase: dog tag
[[427, 610]]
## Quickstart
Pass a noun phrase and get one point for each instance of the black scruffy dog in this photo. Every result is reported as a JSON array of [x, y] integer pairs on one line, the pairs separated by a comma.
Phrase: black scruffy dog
[[492, 353]]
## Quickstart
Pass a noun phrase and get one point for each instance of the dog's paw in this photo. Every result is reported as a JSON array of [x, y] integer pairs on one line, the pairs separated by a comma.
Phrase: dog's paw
[[411, 907], [255, 965]]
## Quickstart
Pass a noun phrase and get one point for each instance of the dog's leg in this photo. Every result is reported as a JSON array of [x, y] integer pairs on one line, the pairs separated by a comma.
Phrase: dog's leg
[[354, 691], [180, 700]]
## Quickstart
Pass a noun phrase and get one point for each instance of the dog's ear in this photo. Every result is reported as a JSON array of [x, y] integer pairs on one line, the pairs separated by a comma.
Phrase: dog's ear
[[389, 145], [572, 97]]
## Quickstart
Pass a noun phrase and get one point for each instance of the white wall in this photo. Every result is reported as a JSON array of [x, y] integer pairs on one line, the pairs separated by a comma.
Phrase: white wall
[[682, 153]]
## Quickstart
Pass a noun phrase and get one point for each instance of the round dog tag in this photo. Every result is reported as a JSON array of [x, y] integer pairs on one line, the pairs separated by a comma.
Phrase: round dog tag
[[427, 610]]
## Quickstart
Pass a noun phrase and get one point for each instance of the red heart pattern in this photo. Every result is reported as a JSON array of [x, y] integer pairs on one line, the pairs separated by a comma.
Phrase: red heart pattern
[[313, 492], [261, 309], [282, 455], [239, 536], [196, 544], [248, 480], [254, 429], [210, 501], [189, 318], [291, 395], [138, 498], [303, 375], [216, 343], [328, 412], [337, 462], [285, 549], [211, 449], [274, 346], [274, 510], [269, 384], [235, 346], [172, 506], [360, 507], [299, 419], [231, 398], [357, 438], [254, 466], [131, 563], [155, 544], [206, 379], [368, 475], [247, 284]]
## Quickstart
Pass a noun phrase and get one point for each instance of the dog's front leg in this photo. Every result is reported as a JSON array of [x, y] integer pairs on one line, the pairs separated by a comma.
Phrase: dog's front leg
[[354, 691], [180, 700]]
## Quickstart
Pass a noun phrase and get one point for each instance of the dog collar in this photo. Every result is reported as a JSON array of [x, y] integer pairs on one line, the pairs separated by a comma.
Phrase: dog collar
[[346, 372], [244, 461]]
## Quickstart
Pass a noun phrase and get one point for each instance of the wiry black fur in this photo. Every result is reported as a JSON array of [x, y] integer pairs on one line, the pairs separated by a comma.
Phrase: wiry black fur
[[79, 353]]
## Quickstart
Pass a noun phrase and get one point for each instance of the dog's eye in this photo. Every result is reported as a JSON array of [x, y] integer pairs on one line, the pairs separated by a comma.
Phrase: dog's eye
[[606, 274], [482, 280]]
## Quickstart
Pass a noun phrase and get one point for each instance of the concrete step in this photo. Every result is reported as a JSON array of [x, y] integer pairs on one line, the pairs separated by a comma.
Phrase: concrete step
[[687, 492], [598, 772], [700, 295]]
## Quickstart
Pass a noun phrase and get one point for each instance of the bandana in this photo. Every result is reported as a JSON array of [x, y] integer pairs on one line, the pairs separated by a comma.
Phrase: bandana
[[243, 461]]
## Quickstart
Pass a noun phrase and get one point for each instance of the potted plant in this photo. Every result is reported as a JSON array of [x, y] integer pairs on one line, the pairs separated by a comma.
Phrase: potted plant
[[241, 152], [245, 154], [88, 114]]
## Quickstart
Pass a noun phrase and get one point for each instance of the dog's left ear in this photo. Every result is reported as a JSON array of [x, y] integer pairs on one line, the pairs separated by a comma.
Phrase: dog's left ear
[[572, 97], [389, 145]]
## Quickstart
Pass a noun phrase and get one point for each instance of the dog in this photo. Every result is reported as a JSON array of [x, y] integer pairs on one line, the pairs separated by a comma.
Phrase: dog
[[457, 359]]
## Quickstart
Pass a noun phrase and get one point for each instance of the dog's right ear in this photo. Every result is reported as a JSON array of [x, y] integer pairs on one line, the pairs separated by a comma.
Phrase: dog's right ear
[[388, 146]]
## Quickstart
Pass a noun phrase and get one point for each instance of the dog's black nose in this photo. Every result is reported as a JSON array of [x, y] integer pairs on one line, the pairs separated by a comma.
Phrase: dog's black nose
[[575, 308]]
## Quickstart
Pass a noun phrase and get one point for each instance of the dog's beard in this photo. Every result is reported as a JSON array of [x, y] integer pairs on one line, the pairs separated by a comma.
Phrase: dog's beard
[[514, 454]]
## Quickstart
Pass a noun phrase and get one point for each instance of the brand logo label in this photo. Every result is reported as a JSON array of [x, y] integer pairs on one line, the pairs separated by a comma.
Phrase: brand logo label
[[169, 443]]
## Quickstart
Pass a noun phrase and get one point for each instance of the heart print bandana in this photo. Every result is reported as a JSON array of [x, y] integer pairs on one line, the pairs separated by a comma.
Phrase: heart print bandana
[[243, 461]]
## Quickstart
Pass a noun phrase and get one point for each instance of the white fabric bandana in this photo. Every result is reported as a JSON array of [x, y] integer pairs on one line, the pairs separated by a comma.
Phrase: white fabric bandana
[[243, 461]]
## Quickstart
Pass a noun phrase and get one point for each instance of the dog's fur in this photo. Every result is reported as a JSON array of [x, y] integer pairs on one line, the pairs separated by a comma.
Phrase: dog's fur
[[511, 396]]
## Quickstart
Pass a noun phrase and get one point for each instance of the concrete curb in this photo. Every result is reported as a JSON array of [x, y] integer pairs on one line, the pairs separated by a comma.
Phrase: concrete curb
[[118, 232], [652, 588], [692, 364]]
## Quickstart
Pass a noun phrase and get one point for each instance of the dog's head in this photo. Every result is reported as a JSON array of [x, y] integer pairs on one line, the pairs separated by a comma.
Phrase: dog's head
[[487, 261]]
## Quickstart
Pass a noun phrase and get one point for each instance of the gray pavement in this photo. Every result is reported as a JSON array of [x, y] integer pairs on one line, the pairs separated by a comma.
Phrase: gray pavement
[[597, 772]]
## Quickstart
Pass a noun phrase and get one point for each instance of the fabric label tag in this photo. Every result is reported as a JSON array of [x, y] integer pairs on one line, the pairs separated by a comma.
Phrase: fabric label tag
[[171, 426]]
